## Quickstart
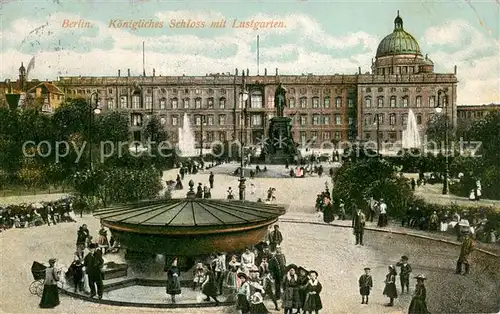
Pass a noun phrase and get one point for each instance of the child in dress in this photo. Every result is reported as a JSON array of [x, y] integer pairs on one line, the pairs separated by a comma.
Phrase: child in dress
[[257, 302], [199, 276], [390, 285], [313, 289]]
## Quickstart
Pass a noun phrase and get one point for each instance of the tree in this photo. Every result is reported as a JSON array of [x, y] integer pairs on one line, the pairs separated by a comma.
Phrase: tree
[[437, 128], [155, 131], [113, 126]]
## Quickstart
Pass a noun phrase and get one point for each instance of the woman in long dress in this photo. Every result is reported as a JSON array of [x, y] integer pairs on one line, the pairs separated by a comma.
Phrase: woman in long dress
[[102, 240], [291, 297], [418, 304], [257, 302], [50, 296], [243, 294], [209, 287], [173, 282], [231, 282], [313, 289], [390, 285]]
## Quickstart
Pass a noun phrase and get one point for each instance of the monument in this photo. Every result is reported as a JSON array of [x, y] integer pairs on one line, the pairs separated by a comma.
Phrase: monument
[[280, 147]]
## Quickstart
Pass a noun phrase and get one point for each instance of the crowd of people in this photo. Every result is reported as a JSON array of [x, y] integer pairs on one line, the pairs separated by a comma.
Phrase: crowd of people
[[36, 214]]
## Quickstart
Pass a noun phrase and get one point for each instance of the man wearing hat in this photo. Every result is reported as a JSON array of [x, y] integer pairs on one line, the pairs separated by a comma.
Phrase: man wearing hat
[[277, 269], [275, 238], [418, 304], [303, 279], [365, 285], [404, 274], [93, 263], [358, 224], [468, 246]]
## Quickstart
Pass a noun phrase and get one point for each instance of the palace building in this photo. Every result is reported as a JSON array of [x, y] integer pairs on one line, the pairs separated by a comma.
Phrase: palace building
[[324, 108]]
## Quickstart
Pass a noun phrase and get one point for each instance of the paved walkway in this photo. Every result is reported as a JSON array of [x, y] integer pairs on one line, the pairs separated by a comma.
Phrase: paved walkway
[[393, 227]]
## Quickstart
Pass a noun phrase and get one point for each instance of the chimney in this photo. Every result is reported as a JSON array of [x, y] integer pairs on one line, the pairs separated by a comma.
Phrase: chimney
[[248, 71], [455, 70], [277, 72], [119, 73], [236, 72], [265, 71], [154, 72], [128, 72], [359, 70]]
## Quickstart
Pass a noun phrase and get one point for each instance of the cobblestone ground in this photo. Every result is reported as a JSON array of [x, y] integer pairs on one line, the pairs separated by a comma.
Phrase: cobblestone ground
[[329, 250]]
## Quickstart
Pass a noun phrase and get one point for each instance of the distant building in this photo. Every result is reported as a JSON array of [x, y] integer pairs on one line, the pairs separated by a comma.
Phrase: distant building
[[324, 108], [47, 95], [12, 91]]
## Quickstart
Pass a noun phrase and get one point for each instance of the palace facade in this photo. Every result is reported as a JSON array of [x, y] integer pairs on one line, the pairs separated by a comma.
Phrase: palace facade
[[324, 108]]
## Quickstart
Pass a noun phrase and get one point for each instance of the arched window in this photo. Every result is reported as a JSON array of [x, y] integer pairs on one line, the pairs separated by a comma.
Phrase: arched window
[[368, 102], [163, 103], [197, 103], [380, 101], [418, 101], [222, 103], [326, 102], [315, 102], [393, 101], [174, 102], [338, 102], [186, 103], [256, 99], [291, 103]]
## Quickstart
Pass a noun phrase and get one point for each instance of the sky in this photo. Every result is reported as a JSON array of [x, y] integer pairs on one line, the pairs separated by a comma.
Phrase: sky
[[320, 37]]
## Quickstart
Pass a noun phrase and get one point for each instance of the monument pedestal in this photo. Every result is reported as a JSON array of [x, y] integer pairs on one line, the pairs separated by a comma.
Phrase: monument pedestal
[[280, 147]]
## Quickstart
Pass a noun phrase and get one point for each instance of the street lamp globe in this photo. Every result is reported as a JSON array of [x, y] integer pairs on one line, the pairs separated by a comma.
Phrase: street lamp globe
[[97, 110], [244, 95], [438, 109]]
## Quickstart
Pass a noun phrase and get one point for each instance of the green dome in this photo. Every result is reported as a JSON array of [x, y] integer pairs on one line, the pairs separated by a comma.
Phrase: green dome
[[399, 42]]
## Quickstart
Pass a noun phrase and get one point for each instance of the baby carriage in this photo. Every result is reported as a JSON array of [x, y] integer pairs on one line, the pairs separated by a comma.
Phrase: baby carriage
[[38, 272]]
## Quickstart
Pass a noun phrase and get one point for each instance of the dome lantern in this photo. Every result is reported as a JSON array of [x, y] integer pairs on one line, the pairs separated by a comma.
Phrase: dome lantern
[[398, 22], [399, 42]]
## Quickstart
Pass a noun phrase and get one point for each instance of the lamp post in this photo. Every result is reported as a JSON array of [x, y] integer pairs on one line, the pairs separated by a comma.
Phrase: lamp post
[[202, 121], [377, 123], [243, 99], [439, 109], [93, 109]]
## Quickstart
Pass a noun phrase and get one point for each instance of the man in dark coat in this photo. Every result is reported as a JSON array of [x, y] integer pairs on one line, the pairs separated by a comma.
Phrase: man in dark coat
[[277, 265], [275, 238], [211, 180], [468, 246], [81, 240], [93, 263], [358, 224], [328, 212]]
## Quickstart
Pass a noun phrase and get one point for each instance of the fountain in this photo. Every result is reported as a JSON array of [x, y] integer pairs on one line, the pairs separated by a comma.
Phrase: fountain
[[186, 144], [411, 136]]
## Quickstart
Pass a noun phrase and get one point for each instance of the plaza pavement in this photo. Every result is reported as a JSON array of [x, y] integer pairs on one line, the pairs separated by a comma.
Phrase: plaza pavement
[[327, 249]]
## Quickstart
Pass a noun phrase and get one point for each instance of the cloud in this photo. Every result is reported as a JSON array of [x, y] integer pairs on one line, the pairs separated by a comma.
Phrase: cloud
[[302, 47], [457, 42]]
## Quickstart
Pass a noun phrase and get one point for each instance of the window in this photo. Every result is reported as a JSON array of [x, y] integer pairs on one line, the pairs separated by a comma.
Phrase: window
[[303, 120], [432, 101], [315, 120], [351, 120], [210, 120], [174, 120], [175, 91], [380, 89], [393, 101], [110, 91], [405, 101], [404, 119], [222, 120], [163, 90], [419, 119], [405, 89], [198, 91], [210, 103], [326, 102], [197, 103], [303, 102], [175, 103], [418, 101], [222, 136], [368, 90], [123, 102], [163, 103], [223, 91], [315, 91], [393, 90], [338, 119], [222, 103], [256, 120], [303, 91], [291, 103], [326, 120], [302, 136], [163, 121], [315, 102], [392, 119], [149, 102], [186, 91], [186, 103], [380, 118], [314, 135], [326, 136], [419, 89], [210, 91], [368, 119], [338, 102], [338, 136], [256, 100], [270, 101], [136, 119], [110, 104], [380, 102], [368, 102], [210, 136], [198, 120], [136, 102], [350, 102]]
